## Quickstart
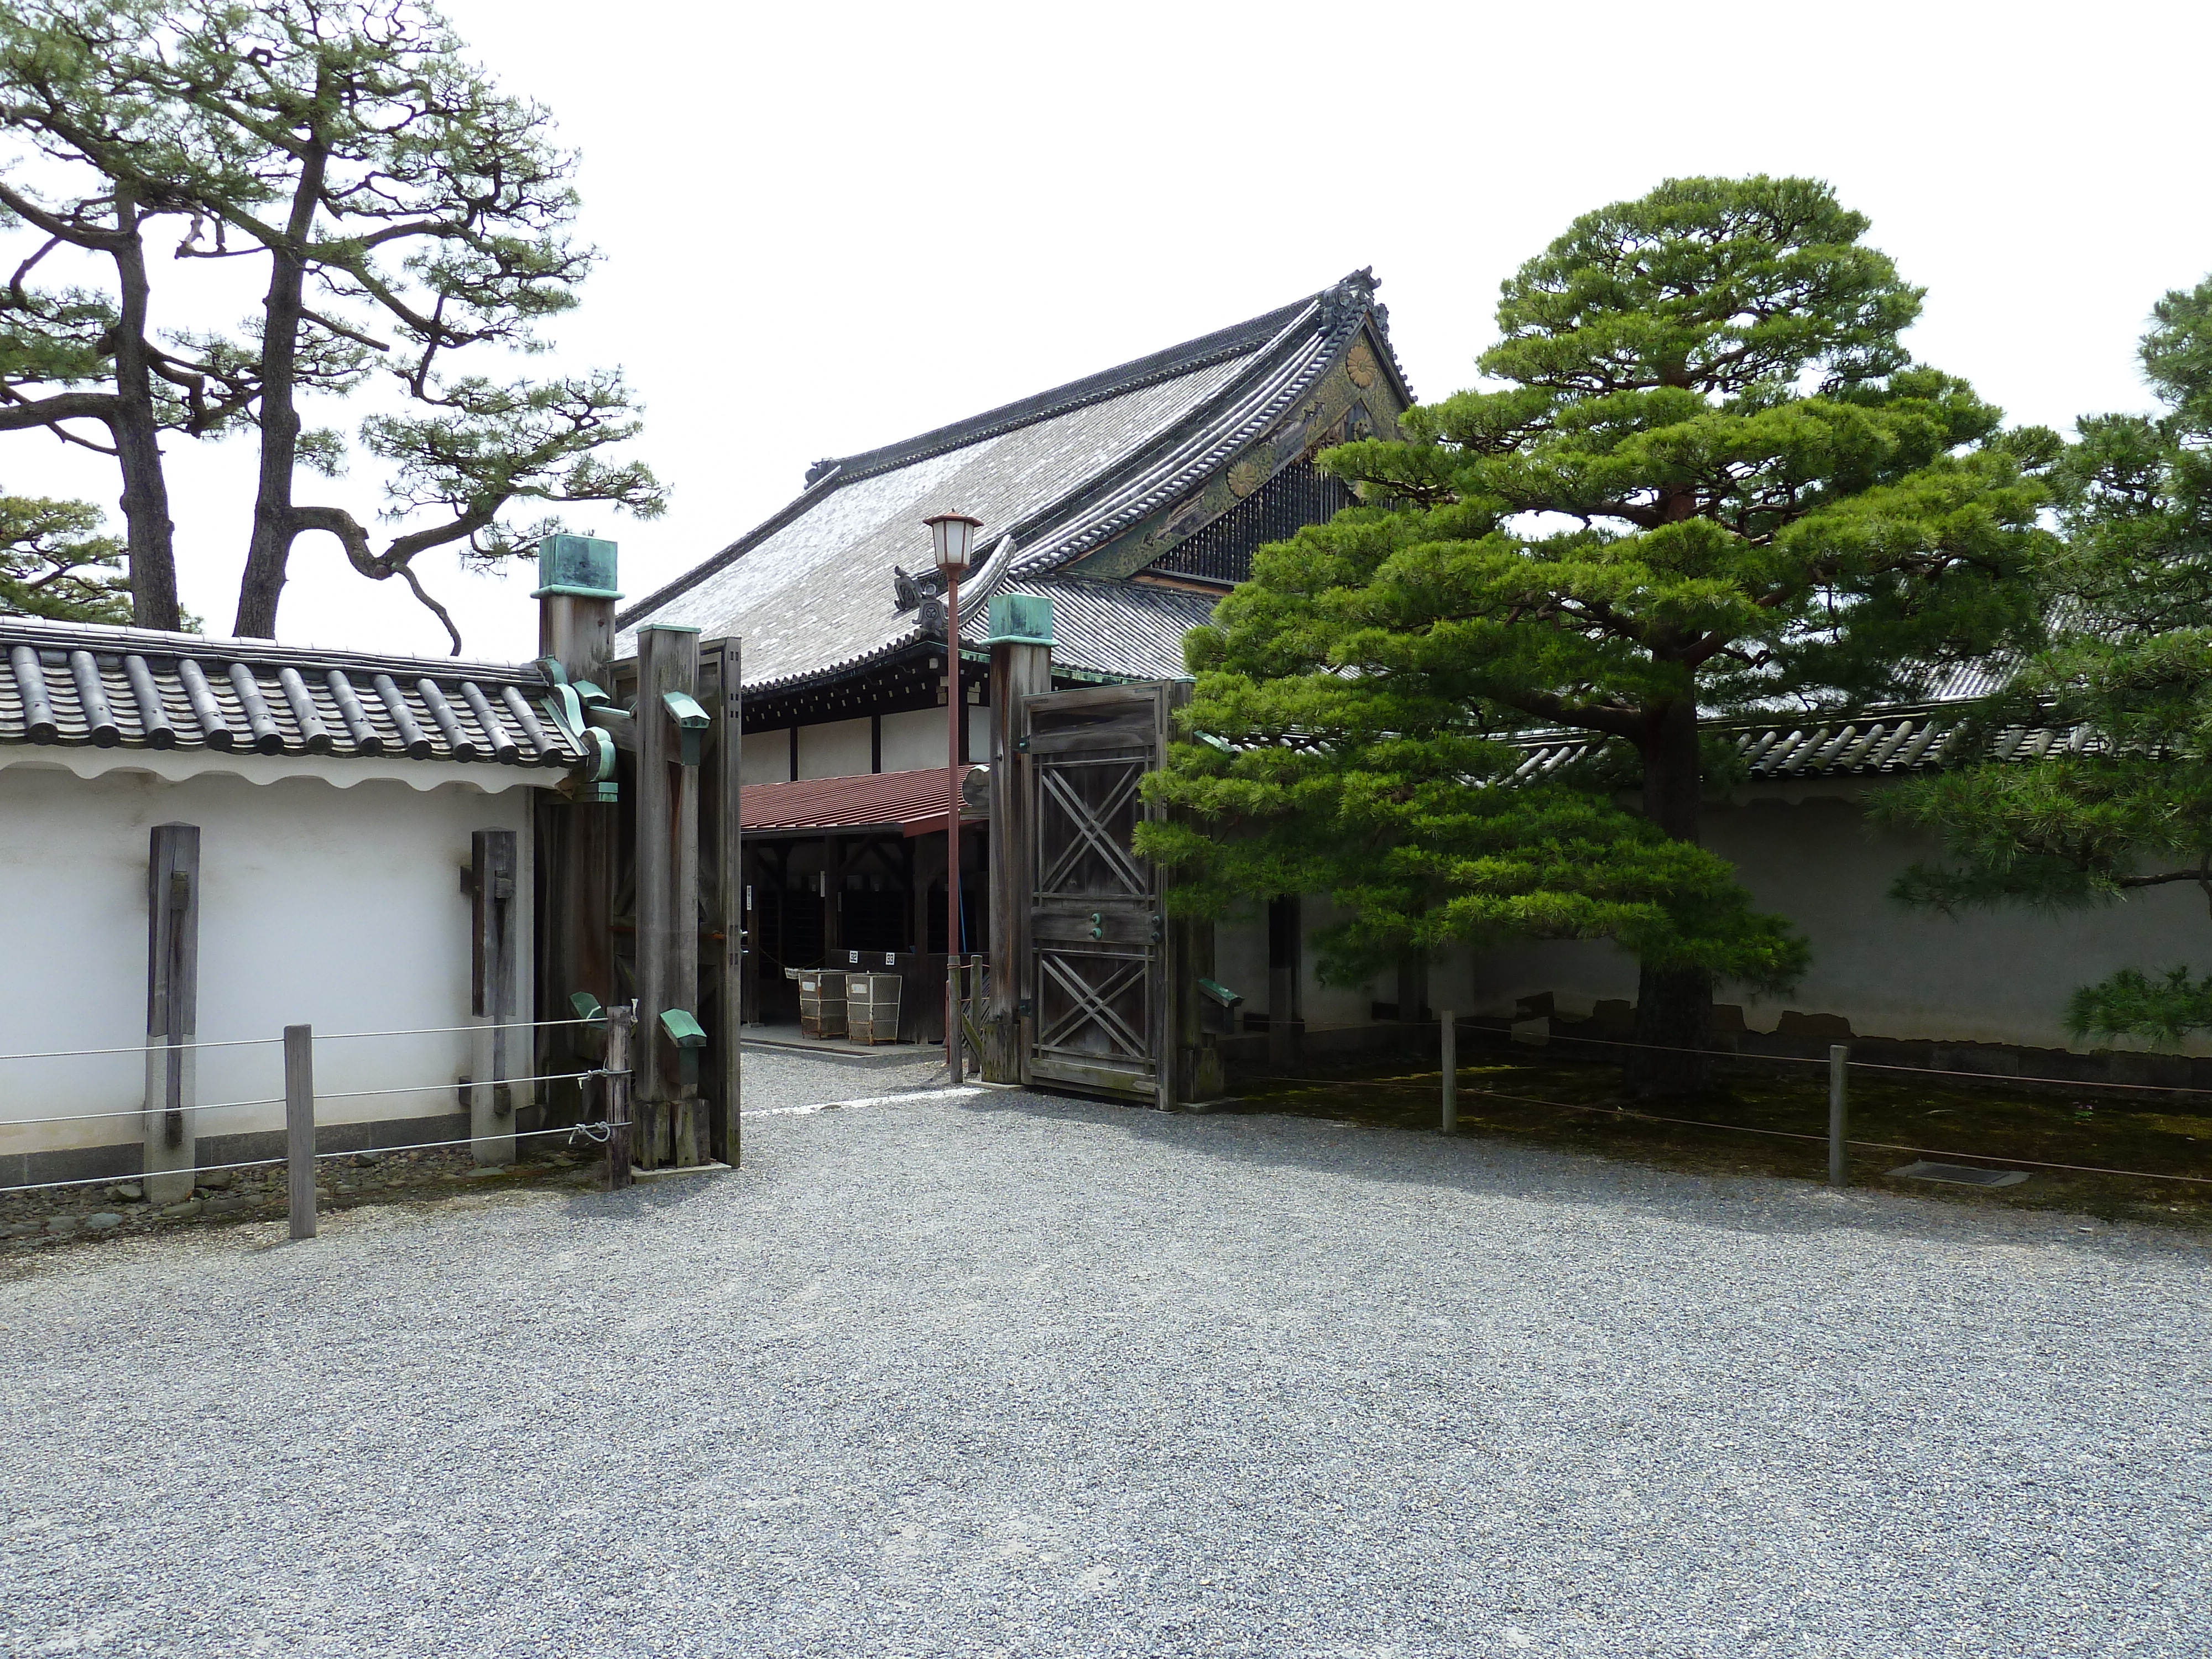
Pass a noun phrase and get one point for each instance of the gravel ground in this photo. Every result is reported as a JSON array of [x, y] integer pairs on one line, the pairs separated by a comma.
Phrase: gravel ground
[[1004, 1375]]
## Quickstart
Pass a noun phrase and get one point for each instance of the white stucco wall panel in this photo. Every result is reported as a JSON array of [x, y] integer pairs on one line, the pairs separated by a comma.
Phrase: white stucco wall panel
[[765, 756], [914, 739], [1999, 976], [1240, 960], [1330, 1006], [835, 749], [338, 908]]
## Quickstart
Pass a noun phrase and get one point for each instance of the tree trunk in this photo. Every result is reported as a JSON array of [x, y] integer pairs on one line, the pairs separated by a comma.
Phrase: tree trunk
[[148, 532], [1673, 1006], [275, 525]]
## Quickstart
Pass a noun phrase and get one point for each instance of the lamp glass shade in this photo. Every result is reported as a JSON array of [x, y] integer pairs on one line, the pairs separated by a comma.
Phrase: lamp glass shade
[[953, 541]]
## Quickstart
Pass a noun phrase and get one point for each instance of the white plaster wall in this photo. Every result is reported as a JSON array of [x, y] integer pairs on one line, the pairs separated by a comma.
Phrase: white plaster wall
[[1329, 1006], [765, 756], [1240, 960], [914, 739], [835, 749], [336, 907], [1988, 976]]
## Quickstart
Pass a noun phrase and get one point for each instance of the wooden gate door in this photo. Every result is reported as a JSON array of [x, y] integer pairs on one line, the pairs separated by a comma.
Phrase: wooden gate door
[[1097, 965]]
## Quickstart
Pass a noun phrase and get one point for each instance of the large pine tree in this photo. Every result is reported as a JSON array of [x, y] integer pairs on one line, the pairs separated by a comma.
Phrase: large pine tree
[[1706, 477], [2128, 807]]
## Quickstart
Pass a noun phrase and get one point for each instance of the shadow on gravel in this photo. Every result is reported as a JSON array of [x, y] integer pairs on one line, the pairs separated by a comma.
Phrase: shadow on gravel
[[1477, 1167]]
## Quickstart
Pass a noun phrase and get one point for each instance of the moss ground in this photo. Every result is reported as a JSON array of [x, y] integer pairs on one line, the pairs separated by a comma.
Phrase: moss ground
[[1582, 1106]]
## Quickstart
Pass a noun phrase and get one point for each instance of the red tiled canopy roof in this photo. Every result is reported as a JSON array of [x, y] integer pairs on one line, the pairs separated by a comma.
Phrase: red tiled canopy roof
[[910, 801]]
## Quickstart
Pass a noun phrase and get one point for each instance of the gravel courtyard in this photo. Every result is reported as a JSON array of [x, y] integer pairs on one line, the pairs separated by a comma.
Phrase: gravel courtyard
[[1002, 1374]]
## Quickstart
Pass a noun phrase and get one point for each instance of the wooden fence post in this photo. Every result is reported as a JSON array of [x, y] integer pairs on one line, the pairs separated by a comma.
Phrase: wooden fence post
[[300, 1126], [621, 1020], [492, 878], [1447, 1038], [1838, 1114], [172, 951]]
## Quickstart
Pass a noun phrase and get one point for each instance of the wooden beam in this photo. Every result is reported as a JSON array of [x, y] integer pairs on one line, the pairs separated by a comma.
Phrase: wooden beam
[[173, 962]]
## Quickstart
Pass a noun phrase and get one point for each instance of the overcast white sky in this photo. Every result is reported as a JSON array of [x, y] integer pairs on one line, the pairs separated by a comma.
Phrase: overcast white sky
[[827, 228]]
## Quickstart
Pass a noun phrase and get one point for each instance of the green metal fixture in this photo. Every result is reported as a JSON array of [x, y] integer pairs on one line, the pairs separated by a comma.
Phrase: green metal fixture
[[1020, 619], [692, 723], [587, 1008], [590, 695], [685, 1033], [583, 566]]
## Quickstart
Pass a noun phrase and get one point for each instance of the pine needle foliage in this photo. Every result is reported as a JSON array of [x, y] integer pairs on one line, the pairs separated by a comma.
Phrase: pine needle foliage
[[1705, 478], [55, 563], [2127, 804]]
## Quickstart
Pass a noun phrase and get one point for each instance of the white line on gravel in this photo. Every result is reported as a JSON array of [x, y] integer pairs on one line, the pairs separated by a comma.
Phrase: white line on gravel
[[869, 1100]]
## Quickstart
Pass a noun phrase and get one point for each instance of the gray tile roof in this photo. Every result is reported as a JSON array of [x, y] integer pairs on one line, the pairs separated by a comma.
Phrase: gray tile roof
[[1127, 631], [810, 591], [1882, 742], [81, 684]]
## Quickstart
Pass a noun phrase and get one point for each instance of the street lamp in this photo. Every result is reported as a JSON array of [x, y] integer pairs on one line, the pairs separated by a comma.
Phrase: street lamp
[[952, 543]]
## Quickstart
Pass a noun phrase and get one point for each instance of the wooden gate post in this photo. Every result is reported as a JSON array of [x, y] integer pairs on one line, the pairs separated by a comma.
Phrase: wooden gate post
[[730, 892], [576, 597], [492, 901], [667, 893], [1021, 644], [172, 955]]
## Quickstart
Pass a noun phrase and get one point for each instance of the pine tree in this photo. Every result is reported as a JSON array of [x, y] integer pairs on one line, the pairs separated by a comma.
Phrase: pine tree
[[1707, 478], [55, 563], [406, 209], [2129, 672]]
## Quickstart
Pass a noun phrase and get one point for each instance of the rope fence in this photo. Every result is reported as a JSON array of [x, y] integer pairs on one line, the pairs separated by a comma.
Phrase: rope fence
[[301, 1098], [158, 1045], [592, 1132], [1833, 1139]]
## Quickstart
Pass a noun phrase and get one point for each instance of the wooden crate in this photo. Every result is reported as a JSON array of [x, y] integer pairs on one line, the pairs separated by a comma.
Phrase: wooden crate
[[822, 1002], [872, 1007]]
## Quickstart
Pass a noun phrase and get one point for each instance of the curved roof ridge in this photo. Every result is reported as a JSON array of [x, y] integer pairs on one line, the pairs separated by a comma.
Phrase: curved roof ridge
[[1236, 341]]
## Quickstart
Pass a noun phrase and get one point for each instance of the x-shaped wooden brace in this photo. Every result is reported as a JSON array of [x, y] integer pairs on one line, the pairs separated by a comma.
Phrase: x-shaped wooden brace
[[1089, 826], [1091, 1004]]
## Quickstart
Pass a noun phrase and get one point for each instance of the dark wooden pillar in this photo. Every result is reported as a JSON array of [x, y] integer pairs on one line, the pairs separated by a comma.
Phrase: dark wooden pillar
[[1285, 977], [172, 968], [1021, 644], [833, 899], [667, 896], [578, 840], [729, 883], [492, 877], [1184, 1075]]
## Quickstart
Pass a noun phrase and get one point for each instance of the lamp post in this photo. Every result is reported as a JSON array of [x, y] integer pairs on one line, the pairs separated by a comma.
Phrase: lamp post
[[952, 542]]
